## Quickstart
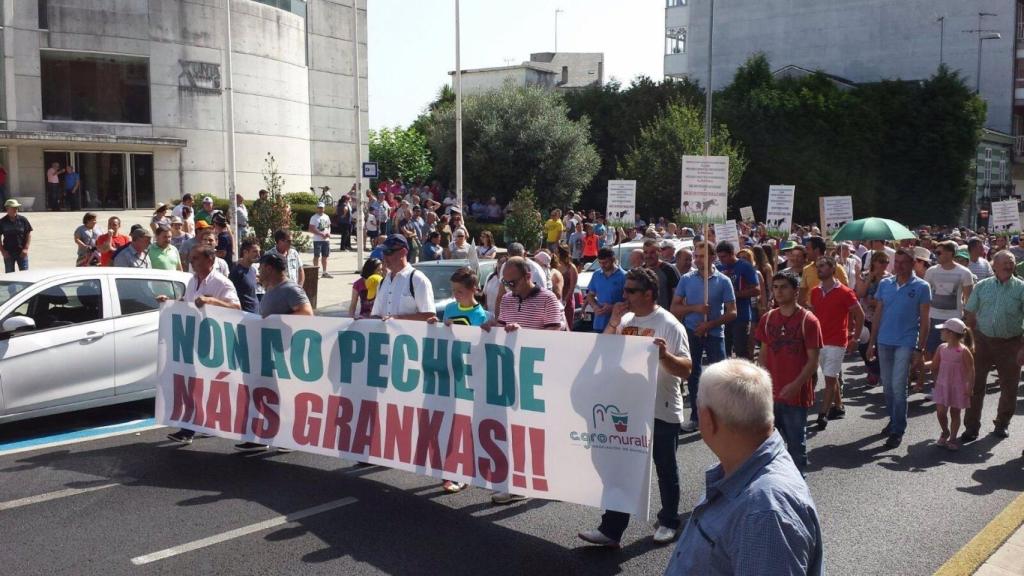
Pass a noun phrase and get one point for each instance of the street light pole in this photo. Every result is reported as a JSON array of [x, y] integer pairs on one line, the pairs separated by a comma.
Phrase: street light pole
[[942, 33], [708, 90], [982, 36], [229, 103], [357, 210], [458, 111], [557, 12]]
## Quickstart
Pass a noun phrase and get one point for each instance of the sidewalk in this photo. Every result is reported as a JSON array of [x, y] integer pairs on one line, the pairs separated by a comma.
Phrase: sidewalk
[[53, 247], [1008, 560], [998, 550]]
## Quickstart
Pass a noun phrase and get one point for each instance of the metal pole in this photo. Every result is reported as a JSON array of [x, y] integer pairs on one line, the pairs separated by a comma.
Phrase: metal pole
[[458, 111], [977, 74], [942, 37], [557, 12], [357, 209], [708, 90], [230, 120]]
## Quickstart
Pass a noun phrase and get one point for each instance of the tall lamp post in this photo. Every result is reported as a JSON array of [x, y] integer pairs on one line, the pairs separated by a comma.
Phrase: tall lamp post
[[557, 12], [458, 111], [982, 36], [942, 35]]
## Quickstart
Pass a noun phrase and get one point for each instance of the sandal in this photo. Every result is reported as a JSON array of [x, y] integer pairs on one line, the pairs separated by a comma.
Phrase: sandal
[[943, 440]]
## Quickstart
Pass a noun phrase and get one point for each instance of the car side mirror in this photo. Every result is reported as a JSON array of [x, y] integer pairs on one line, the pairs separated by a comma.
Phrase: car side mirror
[[16, 323]]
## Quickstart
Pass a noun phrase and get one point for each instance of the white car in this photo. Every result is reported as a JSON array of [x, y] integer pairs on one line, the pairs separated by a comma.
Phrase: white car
[[78, 338]]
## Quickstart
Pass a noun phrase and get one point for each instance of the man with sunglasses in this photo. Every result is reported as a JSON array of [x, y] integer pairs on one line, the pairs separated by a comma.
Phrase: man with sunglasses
[[640, 315], [404, 294]]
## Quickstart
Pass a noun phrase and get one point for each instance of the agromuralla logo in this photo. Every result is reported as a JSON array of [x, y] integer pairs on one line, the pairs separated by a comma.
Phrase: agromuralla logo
[[610, 415], [609, 430]]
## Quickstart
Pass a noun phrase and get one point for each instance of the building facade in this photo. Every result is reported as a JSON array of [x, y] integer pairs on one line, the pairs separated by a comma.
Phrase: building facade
[[863, 41], [550, 70], [134, 95]]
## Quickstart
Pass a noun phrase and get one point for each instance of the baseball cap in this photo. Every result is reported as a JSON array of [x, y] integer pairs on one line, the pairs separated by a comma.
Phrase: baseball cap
[[955, 325], [176, 220], [320, 205], [274, 259], [395, 242], [543, 258], [788, 245], [200, 224], [459, 232], [922, 253], [207, 200], [140, 233], [962, 254], [666, 244]]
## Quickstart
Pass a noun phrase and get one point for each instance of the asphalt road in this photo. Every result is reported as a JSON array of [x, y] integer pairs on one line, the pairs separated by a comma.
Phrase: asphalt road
[[136, 504]]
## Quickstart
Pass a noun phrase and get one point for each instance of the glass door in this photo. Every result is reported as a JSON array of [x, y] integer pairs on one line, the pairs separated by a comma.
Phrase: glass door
[[61, 159], [104, 184], [143, 195]]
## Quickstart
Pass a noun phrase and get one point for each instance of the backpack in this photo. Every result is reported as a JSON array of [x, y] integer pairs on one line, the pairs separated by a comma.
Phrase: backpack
[[412, 288]]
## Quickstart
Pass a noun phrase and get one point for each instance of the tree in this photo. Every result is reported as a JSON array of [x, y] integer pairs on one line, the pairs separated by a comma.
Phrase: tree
[[523, 223], [655, 161], [274, 213], [445, 99], [516, 138], [399, 151]]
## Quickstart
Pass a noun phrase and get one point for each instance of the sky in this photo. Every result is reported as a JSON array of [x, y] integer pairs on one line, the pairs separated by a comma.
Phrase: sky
[[412, 43]]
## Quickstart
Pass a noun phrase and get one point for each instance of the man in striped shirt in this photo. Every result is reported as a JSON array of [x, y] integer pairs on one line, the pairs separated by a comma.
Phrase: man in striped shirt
[[524, 305]]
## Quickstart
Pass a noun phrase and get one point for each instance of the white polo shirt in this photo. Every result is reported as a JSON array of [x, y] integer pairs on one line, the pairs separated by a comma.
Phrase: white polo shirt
[[394, 297], [215, 284]]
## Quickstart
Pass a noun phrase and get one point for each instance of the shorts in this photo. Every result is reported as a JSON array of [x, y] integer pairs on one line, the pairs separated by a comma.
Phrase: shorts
[[321, 248], [831, 360], [372, 234], [934, 339]]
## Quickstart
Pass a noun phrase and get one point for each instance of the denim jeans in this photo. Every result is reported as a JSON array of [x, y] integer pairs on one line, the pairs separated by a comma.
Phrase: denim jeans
[[737, 335], [894, 365], [714, 347], [791, 422], [613, 523], [10, 261]]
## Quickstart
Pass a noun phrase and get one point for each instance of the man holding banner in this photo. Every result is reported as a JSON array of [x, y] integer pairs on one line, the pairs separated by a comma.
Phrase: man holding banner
[[404, 293], [640, 315]]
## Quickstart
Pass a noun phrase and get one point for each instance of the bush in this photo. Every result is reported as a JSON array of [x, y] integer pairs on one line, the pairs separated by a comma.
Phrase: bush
[[294, 198], [497, 230], [523, 222]]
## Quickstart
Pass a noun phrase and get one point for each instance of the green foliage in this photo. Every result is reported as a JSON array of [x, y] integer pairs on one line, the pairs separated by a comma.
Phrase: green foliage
[[475, 228], [616, 118], [655, 161], [523, 222], [445, 99], [399, 151], [294, 198], [267, 216], [516, 138]]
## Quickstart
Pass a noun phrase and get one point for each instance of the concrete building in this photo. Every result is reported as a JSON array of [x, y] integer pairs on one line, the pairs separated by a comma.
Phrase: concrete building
[[132, 93], [864, 41], [551, 70]]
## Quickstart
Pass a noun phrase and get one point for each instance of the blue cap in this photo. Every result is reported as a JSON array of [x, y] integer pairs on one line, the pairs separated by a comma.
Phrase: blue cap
[[396, 242]]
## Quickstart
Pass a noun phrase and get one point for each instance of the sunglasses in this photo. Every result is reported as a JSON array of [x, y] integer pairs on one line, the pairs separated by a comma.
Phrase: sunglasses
[[509, 283]]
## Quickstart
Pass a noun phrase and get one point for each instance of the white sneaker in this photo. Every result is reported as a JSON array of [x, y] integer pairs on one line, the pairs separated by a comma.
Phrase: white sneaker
[[664, 535], [688, 426], [506, 498], [598, 538]]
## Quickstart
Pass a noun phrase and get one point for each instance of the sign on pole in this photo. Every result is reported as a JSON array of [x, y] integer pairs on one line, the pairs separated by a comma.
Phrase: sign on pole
[[1005, 218], [727, 232], [747, 213], [501, 411], [778, 218], [835, 212], [705, 190], [370, 170], [621, 210]]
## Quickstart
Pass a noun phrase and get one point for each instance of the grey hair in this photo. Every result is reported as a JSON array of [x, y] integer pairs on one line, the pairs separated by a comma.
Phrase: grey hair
[[1005, 254], [516, 249], [739, 393]]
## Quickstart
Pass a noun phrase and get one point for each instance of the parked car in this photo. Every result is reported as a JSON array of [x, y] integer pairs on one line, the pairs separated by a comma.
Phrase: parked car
[[440, 271], [79, 338]]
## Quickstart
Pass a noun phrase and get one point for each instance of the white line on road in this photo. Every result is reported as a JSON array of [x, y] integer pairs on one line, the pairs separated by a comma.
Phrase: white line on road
[[243, 531], [52, 496]]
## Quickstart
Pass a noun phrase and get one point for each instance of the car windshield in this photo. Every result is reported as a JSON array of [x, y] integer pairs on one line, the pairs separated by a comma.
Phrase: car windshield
[[8, 289], [439, 279]]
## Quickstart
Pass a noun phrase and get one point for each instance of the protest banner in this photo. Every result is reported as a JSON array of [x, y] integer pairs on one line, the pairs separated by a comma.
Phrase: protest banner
[[747, 213], [621, 206], [779, 215], [1004, 218], [727, 232], [705, 190], [498, 410], [834, 213]]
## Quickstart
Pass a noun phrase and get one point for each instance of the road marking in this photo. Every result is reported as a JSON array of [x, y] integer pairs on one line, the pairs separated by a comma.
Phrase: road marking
[[969, 558], [78, 436], [52, 496], [243, 531]]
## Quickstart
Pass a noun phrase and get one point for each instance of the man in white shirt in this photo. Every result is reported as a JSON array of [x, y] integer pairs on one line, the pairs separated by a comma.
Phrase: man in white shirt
[[320, 228], [951, 287], [979, 266], [206, 288], [187, 200], [405, 293]]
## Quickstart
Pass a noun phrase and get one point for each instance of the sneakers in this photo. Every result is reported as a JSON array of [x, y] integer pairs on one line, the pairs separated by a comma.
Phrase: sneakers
[[822, 422], [894, 441], [504, 498], [453, 487], [1001, 432], [326, 275], [887, 429], [181, 437], [664, 535], [251, 447], [688, 426], [283, 450], [599, 539], [836, 413]]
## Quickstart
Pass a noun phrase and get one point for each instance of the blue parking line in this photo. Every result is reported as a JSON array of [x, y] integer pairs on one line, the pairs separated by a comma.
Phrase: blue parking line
[[77, 434]]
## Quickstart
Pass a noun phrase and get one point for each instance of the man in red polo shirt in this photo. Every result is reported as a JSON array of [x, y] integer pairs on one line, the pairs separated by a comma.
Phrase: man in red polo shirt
[[833, 303]]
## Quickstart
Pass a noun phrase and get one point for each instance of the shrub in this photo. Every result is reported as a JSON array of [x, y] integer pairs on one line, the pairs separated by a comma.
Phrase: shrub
[[523, 222], [497, 230], [294, 198]]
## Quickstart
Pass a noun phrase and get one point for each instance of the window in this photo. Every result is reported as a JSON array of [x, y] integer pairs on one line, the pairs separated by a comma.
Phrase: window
[[293, 6], [675, 41], [91, 87], [139, 294], [44, 20], [673, 3], [64, 305]]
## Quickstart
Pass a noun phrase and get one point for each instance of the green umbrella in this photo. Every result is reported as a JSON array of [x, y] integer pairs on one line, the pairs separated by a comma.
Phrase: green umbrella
[[873, 229]]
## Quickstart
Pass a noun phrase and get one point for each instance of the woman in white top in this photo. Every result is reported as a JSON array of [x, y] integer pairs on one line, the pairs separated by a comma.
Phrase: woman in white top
[[486, 249]]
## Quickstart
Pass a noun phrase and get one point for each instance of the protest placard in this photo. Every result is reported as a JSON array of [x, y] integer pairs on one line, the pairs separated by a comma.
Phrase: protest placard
[[779, 215], [705, 190], [747, 213], [498, 410], [727, 232], [1004, 218], [621, 206], [835, 212]]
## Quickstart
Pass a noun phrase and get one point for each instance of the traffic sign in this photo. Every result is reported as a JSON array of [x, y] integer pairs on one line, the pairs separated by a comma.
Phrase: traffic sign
[[370, 170]]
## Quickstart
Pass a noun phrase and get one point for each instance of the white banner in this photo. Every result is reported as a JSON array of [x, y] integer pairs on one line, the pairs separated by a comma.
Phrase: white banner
[[705, 190], [747, 213], [779, 215], [727, 232], [505, 411], [835, 212], [621, 209], [1004, 218]]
